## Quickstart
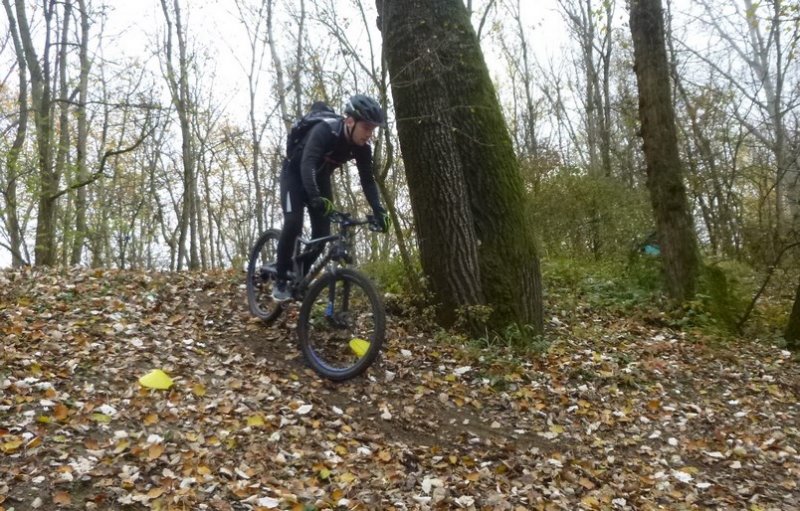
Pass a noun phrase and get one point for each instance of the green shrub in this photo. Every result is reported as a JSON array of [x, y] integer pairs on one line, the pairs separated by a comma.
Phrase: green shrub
[[519, 339], [391, 275], [581, 216], [606, 284]]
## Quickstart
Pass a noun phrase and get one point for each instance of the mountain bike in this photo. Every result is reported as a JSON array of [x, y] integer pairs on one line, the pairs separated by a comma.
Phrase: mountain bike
[[342, 321]]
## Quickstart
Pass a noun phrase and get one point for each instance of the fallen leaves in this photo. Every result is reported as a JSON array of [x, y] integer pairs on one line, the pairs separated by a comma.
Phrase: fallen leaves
[[615, 415], [62, 498]]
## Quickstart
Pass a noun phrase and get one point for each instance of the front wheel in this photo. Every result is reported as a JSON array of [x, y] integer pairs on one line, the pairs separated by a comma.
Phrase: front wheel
[[261, 274], [341, 324]]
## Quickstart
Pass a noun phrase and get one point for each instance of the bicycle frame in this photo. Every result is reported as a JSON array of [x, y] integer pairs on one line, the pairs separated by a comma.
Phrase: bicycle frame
[[336, 250]]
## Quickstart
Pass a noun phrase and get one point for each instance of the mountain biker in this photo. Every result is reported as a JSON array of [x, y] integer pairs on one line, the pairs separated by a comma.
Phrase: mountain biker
[[306, 179]]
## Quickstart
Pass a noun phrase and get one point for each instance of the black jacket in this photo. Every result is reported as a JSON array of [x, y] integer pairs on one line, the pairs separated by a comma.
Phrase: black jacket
[[325, 149]]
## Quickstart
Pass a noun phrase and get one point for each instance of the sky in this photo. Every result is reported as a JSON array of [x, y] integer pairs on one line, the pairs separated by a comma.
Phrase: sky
[[133, 27], [215, 24], [132, 31]]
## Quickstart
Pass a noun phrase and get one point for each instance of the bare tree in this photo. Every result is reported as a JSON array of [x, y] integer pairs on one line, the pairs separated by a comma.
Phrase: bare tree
[[664, 169], [483, 17], [763, 38], [252, 17], [521, 63], [42, 97], [13, 157], [595, 44], [82, 173], [374, 69], [178, 82], [298, 58]]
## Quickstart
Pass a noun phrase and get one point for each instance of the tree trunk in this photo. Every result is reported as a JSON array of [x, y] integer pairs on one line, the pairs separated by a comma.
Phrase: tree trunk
[[252, 19], [298, 61], [792, 332], [664, 170], [178, 80], [41, 93], [12, 157], [466, 190], [81, 227], [62, 152], [280, 85]]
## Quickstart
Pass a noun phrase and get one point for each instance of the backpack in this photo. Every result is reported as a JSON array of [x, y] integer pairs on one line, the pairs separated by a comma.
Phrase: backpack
[[320, 111]]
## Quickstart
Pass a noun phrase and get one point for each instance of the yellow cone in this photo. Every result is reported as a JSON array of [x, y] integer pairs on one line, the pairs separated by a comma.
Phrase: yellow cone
[[359, 346], [156, 379]]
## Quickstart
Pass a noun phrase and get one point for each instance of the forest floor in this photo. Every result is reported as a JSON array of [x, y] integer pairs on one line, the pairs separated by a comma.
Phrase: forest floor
[[618, 413]]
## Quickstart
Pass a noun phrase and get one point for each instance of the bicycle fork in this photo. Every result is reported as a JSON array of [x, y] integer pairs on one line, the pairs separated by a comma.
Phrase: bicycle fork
[[333, 307]]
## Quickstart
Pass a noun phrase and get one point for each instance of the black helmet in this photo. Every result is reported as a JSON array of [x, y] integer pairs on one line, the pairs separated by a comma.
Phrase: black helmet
[[364, 108]]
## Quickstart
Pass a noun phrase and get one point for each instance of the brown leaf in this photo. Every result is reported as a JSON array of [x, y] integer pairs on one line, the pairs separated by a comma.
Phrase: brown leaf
[[60, 412], [155, 451], [155, 492], [62, 498]]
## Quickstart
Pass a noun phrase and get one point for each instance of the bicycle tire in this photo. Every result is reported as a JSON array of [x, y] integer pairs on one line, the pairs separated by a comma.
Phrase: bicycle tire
[[259, 286], [326, 336]]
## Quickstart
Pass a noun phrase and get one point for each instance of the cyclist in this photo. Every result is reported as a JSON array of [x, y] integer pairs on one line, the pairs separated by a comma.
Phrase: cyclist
[[306, 179]]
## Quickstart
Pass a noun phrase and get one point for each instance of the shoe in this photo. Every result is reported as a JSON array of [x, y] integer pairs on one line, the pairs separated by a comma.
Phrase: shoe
[[267, 271], [280, 292]]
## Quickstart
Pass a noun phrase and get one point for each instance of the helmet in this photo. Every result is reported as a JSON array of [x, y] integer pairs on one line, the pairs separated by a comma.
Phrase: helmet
[[364, 108]]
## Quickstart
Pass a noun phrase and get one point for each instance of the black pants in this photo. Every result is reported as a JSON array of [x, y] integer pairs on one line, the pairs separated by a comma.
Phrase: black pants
[[294, 201]]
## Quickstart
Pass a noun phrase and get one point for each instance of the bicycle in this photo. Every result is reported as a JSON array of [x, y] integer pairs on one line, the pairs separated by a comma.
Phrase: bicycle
[[341, 324]]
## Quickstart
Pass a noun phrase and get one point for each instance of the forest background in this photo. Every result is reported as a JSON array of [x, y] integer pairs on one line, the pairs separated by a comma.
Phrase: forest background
[[165, 127]]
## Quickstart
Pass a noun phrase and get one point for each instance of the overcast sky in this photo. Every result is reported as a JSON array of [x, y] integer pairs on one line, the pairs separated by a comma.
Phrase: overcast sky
[[215, 25]]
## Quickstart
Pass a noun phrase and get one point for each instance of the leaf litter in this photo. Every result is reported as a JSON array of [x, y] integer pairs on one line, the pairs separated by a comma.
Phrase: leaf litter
[[615, 415]]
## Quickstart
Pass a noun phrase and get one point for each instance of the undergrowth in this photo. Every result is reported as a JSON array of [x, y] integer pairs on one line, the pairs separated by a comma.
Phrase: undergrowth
[[611, 288]]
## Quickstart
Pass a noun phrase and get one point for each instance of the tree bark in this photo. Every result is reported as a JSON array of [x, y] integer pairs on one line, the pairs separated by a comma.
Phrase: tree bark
[[12, 157], [178, 80], [81, 227], [62, 152], [41, 93], [252, 24], [792, 332], [277, 63], [466, 190], [664, 170]]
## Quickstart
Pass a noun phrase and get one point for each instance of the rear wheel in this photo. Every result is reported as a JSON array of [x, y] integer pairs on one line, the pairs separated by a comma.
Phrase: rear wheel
[[341, 324], [261, 273]]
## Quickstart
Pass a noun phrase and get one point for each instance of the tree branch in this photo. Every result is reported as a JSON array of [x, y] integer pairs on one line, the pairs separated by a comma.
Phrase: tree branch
[[771, 272], [100, 172]]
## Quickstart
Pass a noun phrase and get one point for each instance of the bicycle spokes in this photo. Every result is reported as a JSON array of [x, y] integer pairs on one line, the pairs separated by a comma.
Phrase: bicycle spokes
[[261, 277], [341, 323]]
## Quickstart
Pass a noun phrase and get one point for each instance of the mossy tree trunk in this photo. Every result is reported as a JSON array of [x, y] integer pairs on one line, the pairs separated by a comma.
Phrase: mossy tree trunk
[[792, 333], [466, 190], [664, 170]]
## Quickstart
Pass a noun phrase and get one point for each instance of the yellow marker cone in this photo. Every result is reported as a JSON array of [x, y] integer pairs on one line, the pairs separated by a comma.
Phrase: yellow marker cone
[[156, 379], [359, 346]]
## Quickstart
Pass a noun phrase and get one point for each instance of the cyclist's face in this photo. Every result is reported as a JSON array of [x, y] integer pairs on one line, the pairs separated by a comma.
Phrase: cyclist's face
[[361, 131]]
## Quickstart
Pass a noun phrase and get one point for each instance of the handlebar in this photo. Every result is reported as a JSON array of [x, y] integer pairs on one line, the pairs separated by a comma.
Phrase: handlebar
[[345, 220]]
